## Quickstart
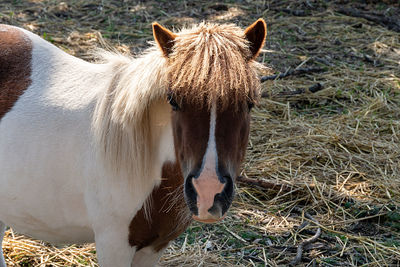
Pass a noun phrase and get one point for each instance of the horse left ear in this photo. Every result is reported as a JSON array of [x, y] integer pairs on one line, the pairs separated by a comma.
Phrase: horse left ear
[[256, 34], [164, 38]]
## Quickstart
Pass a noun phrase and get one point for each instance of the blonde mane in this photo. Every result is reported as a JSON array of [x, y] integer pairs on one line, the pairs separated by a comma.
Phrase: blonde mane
[[208, 62], [121, 117]]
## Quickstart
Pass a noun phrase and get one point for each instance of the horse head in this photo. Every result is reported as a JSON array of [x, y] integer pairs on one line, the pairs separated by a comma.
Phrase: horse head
[[212, 86]]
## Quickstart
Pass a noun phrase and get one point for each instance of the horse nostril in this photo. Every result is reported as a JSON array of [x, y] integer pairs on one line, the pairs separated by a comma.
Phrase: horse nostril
[[216, 209], [224, 179], [226, 196]]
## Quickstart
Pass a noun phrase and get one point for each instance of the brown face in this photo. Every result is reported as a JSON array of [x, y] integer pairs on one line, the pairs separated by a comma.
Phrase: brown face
[[210, 141], [210, 145]]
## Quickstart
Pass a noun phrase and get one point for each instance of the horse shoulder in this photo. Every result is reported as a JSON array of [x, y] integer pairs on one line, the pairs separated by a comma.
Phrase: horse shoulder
[[15, 66], [167, 216]]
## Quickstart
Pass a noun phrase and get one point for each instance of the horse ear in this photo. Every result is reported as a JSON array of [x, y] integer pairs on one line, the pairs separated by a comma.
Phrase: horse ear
[[164, 38], [256, 34]]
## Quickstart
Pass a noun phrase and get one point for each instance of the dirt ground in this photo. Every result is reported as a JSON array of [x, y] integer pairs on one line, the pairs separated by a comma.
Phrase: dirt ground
[[324, 150]]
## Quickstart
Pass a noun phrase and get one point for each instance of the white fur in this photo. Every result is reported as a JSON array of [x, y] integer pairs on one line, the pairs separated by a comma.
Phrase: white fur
[[147, 257], [210, 159], [53, 182]]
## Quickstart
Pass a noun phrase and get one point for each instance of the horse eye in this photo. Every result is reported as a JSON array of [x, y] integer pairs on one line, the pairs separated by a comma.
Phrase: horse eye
[[250, 105], [173, 103]]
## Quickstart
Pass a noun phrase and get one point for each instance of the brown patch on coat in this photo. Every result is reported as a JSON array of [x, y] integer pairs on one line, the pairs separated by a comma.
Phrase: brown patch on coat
[[169, 216], [15, 66]]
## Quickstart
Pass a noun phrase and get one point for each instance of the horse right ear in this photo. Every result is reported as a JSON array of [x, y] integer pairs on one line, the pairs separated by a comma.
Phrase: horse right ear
[[164, 38], [256, 34]]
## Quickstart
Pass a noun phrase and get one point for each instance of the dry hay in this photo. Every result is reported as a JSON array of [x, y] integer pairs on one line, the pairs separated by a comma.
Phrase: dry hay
[[334, 153], [23, 251]]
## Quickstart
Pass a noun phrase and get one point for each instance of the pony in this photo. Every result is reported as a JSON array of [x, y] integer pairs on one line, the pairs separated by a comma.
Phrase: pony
[[125, 151]]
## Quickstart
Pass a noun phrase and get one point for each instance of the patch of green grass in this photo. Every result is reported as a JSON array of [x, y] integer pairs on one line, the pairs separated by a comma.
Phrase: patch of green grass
[[47, 37], [249, 235], [330, 261]]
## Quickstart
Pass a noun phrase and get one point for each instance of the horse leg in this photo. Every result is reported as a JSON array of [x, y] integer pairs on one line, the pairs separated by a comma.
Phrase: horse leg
[[113, 248], [2, 232], [147, 257]]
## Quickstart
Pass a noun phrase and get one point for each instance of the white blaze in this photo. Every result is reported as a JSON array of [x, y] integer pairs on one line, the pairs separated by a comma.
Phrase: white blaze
[[210, 159]]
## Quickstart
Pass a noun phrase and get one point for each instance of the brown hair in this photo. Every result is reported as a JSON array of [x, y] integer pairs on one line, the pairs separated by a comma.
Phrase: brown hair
[[213, 62]]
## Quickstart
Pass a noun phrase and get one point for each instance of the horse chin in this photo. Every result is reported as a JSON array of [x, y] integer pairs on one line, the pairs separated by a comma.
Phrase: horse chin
[[208, 220]]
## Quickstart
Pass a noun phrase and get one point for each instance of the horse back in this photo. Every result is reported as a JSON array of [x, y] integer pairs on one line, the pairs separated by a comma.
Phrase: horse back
[[15, 66]]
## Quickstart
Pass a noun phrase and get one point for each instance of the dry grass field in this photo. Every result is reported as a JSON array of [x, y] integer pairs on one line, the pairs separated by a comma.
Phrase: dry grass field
[[330, 155]]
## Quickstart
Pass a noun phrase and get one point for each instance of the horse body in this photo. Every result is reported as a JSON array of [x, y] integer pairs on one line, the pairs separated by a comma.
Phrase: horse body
[[83, 145], [53, 185], [42, 154]]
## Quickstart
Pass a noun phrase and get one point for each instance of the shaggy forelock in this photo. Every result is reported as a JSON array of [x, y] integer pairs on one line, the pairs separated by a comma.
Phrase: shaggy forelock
[[213, 63]]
